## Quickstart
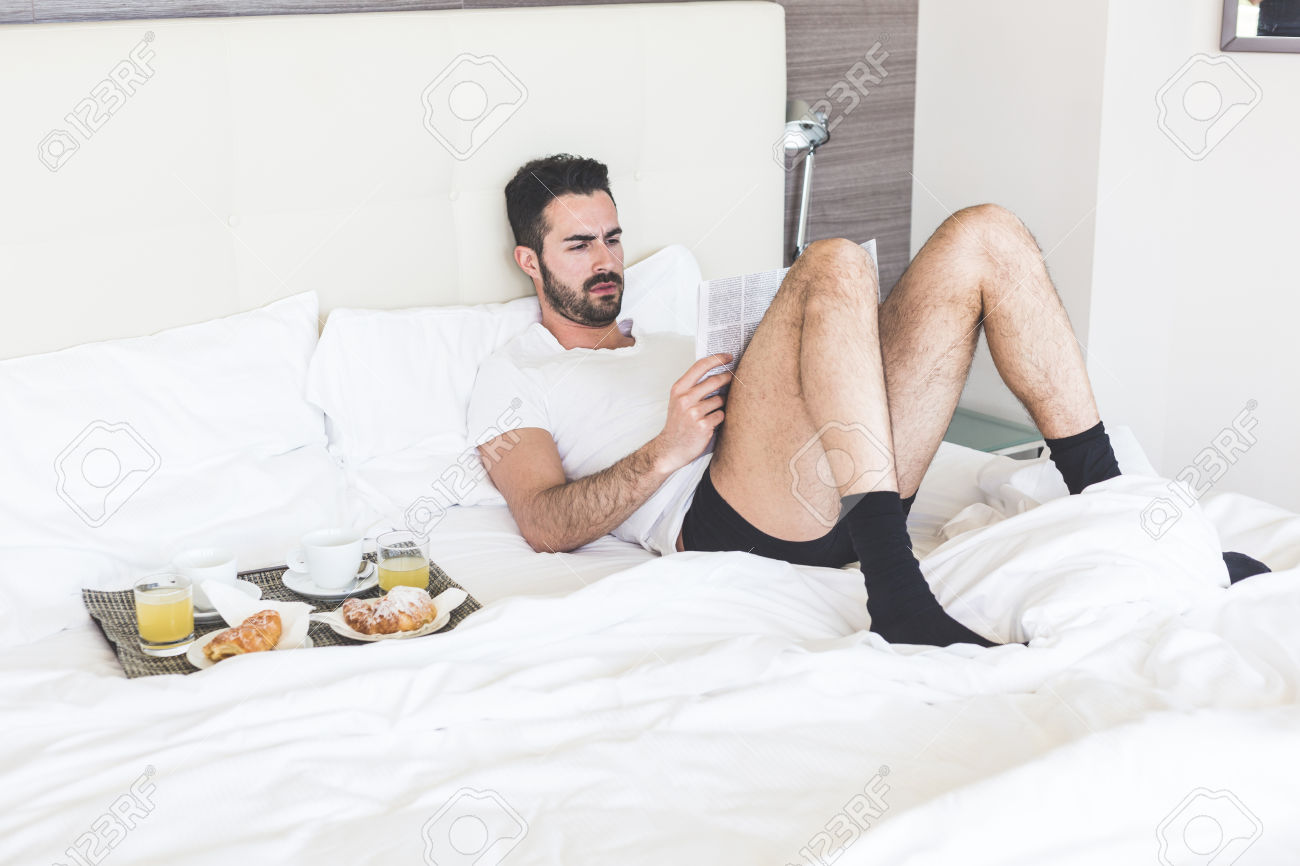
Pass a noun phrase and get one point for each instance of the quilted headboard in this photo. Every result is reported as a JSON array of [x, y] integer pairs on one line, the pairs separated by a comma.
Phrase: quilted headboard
[[155, 173]]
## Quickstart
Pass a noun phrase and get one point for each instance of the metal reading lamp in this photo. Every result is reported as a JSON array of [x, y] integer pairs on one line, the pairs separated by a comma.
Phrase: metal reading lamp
[[805, 130]]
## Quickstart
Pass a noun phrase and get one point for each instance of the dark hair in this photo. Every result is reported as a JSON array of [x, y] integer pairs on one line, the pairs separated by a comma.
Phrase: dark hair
[[540, 181]]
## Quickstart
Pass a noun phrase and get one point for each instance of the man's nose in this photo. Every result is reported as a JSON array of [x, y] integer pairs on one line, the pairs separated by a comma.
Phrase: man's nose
[[605, 259]]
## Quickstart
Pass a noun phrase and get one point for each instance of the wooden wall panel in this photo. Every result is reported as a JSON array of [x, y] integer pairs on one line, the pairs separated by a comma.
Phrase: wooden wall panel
[[15, 12], [107, 10], [862, 183]]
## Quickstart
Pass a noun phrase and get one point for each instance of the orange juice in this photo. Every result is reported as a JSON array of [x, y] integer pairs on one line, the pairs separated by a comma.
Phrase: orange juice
[[165, 614], [403, 571]]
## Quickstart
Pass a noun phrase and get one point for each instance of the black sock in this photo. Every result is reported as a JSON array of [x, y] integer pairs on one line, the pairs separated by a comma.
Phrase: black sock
[[907, 504], [1241, 566], [902, 607], [1084, 458]]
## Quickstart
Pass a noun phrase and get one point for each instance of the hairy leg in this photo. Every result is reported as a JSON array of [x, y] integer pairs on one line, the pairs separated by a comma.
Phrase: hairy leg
[[808, 444], [807, 417], [810, 432], [806, 424], [981, 267]]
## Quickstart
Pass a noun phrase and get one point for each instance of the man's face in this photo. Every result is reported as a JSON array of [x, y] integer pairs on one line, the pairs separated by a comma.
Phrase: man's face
[[582, 259]]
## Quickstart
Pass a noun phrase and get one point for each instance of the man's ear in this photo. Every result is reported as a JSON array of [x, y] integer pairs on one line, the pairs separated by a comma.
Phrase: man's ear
[[527, 261]]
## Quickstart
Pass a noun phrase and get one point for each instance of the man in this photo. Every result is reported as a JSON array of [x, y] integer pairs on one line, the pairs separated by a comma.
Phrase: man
[[613, 426]]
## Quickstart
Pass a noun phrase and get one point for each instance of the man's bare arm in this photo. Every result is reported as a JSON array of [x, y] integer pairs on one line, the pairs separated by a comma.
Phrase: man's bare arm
[[555, 515]]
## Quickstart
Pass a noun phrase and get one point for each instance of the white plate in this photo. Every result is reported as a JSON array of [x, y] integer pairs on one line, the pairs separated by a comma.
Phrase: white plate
[[203, 615], [367, 578], [196, 657], [446, 602]]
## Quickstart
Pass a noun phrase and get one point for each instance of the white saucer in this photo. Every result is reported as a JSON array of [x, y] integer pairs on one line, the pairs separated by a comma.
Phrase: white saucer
[[196, 657], [209, 614], [302, 584]]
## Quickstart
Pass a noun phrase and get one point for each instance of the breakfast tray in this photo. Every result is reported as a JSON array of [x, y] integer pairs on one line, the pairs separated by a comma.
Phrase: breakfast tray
[[114, 613]]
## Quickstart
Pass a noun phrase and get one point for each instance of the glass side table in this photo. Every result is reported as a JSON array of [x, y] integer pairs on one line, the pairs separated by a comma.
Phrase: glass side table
[[994, 435]]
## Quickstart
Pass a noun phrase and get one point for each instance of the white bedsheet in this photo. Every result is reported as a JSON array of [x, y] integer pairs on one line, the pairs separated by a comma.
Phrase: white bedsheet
[[482, 549], [716, 708]]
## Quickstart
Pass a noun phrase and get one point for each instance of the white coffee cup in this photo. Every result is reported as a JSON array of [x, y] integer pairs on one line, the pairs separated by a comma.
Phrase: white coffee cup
[[330, 556], [202, 564]]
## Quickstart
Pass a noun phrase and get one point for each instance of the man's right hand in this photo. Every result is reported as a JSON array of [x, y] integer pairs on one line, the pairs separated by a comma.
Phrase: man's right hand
[[692, 414]]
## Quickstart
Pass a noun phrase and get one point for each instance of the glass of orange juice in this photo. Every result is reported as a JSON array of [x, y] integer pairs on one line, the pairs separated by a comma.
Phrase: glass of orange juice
[[164, 613], [403, 559]]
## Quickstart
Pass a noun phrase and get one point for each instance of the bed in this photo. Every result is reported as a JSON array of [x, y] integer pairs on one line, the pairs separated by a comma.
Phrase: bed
[[605, 706]]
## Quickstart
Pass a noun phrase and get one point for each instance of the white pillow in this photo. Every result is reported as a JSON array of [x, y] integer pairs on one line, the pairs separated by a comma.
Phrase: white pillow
[[392, 380], [219, 387], [118, 455], [661, 292]]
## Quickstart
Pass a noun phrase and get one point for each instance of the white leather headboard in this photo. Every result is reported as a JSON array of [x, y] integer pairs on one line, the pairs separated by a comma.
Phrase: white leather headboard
[[265, 156]]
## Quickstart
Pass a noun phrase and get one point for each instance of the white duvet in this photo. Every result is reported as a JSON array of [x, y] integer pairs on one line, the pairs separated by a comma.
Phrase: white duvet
[[719, 709]]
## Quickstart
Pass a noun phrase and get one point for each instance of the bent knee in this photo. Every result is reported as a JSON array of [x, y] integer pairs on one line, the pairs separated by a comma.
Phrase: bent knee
[[841, 267], [839, 250], [989, 218], [991, 231]]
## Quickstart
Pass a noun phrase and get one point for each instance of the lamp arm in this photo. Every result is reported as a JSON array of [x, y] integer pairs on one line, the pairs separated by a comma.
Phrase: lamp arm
[[805, 199]]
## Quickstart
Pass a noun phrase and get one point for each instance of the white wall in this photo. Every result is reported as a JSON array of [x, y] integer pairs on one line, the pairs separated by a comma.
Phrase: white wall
[[1196, 277], [1190, 289], [1006, 112]]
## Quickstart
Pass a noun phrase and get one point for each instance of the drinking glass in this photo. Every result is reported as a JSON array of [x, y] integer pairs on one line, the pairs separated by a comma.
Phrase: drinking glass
[[403, 559], [164, 613]]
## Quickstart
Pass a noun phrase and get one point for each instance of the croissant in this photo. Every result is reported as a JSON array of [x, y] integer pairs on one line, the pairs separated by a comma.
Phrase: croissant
[[404, 608], [259, 633]]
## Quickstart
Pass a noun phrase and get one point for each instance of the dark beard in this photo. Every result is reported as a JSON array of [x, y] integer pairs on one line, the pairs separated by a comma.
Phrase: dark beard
[[578, 305]]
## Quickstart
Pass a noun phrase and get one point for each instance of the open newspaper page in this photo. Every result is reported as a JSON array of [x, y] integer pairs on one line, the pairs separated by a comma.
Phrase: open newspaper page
[[731, 308]]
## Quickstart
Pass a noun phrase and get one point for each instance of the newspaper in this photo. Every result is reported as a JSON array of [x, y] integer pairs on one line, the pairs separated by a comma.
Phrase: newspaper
[[731, 308]]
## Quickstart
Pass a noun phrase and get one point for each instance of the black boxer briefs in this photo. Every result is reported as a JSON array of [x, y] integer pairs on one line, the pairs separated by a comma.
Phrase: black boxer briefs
[[712, 524]]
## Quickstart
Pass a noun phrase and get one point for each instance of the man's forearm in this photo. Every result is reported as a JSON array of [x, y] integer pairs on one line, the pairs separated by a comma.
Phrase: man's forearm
[[567, 516]]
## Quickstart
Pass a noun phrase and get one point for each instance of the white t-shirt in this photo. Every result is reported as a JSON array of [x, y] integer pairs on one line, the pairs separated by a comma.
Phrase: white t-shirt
[[599, 405]]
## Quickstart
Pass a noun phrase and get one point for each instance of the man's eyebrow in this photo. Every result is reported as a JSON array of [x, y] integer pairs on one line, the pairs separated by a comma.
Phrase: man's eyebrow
[[616, 230]]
